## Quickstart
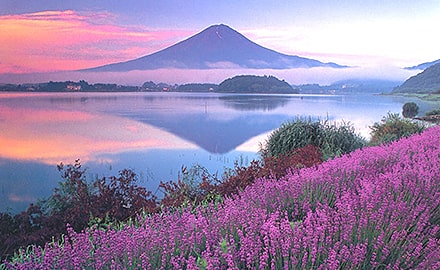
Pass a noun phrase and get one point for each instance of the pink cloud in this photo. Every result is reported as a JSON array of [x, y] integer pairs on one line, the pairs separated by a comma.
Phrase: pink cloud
[[69, 40]]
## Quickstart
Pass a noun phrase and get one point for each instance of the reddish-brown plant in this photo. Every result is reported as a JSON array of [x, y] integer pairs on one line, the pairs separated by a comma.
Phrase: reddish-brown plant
[[274, 167]]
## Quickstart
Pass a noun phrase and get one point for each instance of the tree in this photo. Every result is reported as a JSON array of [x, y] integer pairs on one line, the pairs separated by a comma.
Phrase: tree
[[149, 85], [73, 198], [410, 110]]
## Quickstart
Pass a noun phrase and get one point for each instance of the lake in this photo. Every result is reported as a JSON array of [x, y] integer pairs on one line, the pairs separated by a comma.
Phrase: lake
[[155, 134]]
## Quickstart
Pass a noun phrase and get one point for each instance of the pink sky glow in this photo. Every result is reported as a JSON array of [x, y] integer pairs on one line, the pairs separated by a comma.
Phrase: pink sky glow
[[68, 40], [35, 45]]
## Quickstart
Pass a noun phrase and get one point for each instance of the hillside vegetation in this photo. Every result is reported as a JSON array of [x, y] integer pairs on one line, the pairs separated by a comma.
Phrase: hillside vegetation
[[377, 207], [427, 81], [255, 84]]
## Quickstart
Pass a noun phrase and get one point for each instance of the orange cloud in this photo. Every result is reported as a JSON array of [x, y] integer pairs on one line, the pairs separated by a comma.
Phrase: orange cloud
[[68, 40]]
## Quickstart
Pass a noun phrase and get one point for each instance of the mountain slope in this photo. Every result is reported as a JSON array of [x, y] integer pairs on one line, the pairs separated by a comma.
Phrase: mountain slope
[[218, 46], [423, 66], [428, 81]]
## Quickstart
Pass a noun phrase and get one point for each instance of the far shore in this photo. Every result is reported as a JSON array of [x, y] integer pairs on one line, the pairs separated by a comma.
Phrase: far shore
[[422, 96]]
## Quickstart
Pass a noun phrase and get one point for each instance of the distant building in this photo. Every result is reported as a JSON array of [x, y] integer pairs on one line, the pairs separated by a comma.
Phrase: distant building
[[72, 87]]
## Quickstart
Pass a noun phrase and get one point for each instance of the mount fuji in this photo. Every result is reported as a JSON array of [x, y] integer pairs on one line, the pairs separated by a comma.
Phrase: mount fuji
[[216, 47]]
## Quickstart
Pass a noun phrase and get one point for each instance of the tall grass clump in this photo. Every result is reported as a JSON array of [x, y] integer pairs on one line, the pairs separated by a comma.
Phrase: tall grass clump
[[376, 208], [392, 128], [331, 138]]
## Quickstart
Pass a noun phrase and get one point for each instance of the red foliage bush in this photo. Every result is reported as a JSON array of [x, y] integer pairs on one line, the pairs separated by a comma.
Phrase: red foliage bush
[[121, 198], [274, 167], [74, 202], [182, 191]]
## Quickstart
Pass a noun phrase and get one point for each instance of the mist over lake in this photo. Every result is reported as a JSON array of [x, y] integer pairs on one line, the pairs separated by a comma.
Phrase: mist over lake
[[155, 134]]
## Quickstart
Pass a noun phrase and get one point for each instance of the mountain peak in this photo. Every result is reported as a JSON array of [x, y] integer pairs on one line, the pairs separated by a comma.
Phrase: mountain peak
[[218, 46], [219, 30], [218, 27], [221, 26]]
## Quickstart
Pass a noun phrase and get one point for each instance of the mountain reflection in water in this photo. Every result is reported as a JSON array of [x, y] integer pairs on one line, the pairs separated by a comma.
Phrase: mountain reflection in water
[[152, 133], [255, 102]]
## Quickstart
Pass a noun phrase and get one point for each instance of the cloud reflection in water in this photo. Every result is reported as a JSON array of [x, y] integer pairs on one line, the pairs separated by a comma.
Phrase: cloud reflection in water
[[51, 136]]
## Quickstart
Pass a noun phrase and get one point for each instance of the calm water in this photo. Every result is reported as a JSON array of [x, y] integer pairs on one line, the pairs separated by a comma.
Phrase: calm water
[[154, 134]]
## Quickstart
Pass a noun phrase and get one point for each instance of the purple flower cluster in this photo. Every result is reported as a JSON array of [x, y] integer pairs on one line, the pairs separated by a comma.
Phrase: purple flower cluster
[[373, 208]]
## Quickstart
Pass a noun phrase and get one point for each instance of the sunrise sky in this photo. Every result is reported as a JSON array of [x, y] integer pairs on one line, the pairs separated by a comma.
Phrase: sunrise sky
[[47, 36]]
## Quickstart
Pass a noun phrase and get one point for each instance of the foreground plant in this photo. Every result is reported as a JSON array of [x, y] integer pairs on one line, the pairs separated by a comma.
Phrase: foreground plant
[[376, 208], [332, 139], [76, 202], [392, 128]]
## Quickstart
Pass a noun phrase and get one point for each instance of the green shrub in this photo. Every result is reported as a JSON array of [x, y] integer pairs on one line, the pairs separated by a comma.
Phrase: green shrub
[[410, 110], [332, 139], [392, 128]]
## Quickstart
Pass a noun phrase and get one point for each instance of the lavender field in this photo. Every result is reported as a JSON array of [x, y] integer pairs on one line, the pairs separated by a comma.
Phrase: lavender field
[[375, 208]]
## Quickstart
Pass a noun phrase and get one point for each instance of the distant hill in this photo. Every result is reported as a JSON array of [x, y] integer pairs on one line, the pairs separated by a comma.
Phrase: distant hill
[[423, 65], [428, 81], [255, 84], [68, 86], [218, 46], [350, 86], [197, 87]]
